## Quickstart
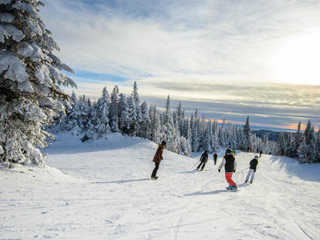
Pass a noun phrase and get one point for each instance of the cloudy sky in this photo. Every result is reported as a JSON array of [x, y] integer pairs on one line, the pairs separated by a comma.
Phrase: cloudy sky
[[227, 58]]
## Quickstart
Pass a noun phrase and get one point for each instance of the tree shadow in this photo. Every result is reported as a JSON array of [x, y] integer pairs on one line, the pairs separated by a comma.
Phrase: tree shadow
[[205, 193], [307, 172], [123, 181]]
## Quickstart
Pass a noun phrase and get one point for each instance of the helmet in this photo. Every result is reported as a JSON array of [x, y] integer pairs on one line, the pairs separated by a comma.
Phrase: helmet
[[256, 157], [228, 150], [164, 143]]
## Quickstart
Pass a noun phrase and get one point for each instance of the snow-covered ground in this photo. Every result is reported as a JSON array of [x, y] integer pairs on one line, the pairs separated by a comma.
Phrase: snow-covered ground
[[102, 190]]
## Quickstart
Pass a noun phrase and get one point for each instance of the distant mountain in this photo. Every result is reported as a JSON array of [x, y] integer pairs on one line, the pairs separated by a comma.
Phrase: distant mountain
[[272, 135]]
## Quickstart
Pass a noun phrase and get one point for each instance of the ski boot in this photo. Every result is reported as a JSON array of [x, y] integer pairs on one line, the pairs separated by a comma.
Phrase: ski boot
[[154, 178], [234, 188], [250, 182], [246, 181]]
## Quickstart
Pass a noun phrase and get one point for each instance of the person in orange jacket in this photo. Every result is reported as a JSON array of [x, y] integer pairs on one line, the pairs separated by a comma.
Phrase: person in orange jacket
[[157, 159]]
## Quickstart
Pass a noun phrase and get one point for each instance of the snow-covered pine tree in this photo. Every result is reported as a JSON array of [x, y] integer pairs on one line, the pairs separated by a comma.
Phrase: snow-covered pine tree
[[296, 143], [169, 131], [303, 152], [156, 130], [281, 145], [309, 133], [145, 128], [99, 123], [132, 112], [125, 118], [138, 113], [247, 132], [113, 111], [30, 80], [208, 137]]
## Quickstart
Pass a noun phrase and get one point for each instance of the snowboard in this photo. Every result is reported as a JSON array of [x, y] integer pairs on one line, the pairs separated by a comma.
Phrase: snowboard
[[232, 190]]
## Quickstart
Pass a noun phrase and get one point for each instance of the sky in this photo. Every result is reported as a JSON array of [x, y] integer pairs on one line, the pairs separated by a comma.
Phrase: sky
[[228, 59]]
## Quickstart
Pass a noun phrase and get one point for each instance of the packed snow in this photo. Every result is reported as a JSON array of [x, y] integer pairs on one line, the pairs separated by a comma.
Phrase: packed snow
[[102, 190]]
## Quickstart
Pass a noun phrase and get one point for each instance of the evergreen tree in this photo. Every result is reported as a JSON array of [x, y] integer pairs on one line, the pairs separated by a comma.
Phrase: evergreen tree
[[145, 130], [138, 114], [247, 133], [125, 119], [99, 124], [30, 76], [132, 112], [309, 133], [113, 111]]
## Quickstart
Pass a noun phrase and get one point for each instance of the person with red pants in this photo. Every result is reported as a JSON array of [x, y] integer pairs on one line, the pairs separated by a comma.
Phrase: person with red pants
[[230, 166]]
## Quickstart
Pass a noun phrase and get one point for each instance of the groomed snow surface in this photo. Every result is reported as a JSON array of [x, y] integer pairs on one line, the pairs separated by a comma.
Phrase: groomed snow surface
[[102, 190]]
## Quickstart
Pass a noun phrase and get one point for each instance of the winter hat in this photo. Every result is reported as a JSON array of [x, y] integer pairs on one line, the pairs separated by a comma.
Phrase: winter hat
[[163, 143], [256, 157]]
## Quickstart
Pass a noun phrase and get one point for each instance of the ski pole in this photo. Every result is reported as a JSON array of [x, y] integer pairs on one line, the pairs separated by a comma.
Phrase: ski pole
[[195, 164], [242, 170]]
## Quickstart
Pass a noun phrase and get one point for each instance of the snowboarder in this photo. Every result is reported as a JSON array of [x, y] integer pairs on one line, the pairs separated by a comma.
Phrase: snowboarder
[[203, 160], [261, 154], [253, 168], [157, 159], [230, 167], [215, 158]]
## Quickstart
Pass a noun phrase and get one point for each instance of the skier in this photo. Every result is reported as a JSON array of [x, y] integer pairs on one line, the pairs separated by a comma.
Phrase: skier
[[260, 154], [215, 157], [203, 160], [253, 168], [157, 159], [230, 166], [234, 151]]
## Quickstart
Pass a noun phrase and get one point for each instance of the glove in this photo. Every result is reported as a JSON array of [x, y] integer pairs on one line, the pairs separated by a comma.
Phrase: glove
[[219, 170]]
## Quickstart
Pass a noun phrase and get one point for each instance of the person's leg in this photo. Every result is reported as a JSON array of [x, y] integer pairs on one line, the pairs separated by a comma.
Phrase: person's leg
[[248, 176], [204, 164], [229, 180], [252, 176], [199, 165], [155, 170]]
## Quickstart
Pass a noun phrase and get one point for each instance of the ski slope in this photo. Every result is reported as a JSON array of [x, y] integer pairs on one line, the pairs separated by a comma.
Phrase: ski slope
[[102, 190]]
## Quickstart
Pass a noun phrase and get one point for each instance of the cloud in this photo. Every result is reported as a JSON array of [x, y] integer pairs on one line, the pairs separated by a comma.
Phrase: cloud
[[218, 56]]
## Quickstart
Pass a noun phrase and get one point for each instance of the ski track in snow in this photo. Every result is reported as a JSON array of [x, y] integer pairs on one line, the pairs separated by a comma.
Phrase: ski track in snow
[[102, 190]]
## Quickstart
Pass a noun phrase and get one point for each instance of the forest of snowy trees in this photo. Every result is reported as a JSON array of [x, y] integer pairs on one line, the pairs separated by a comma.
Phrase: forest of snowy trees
[[31, 101], [303, 145], [118, 112]]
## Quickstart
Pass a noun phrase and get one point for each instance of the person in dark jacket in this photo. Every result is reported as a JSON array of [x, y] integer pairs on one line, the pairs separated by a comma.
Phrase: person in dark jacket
[[261, 154], [253, 168], [215, 158], [203, 160], [157, 159], [230, 166]]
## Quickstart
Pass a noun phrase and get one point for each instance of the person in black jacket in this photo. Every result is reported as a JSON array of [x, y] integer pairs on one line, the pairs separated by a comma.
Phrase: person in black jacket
[[215, 157], [203, 160], [230, 166], [253, 169]]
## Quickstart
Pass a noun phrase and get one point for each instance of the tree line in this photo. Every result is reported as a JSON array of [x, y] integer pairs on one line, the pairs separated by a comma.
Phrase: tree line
[[302, 145], [126, 114]]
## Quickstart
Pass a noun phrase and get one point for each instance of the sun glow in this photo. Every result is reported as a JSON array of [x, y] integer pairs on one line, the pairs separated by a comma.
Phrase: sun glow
[[298, 61]]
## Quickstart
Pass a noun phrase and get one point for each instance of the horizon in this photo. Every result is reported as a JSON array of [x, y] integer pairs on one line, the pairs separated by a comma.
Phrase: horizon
[[226, 59]]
